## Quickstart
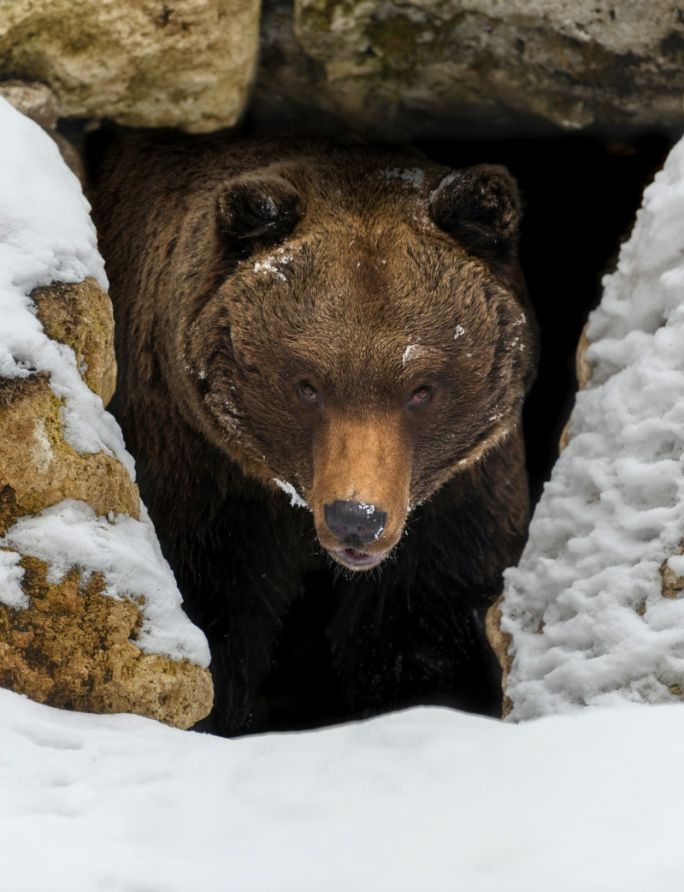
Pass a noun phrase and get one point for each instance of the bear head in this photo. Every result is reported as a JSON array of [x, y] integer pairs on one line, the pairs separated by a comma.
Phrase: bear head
[[363, 335]]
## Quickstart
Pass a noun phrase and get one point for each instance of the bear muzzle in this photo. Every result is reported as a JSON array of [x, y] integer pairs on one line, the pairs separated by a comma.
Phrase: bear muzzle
[[362, 470]]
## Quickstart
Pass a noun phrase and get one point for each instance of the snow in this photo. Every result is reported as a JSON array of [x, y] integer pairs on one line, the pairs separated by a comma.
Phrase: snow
[[584, 607], [413, 177], [273, 263], [413, 351], [295, 499], [424, 799], [46, 235]]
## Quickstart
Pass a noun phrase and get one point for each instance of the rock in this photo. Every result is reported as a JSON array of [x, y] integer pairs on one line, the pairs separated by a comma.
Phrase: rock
[[90, 615], [75, 647], [182, 63], [290, 91], [36, 101], [39, 468], [80, 315], [593, 615], [500, 643], [436, 67]]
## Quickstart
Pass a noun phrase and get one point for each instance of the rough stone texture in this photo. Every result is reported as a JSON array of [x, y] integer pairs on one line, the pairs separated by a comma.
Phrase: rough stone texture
[[36, 101], [38, 468], [80, 315], [70, 647], [500, 643], [74, 647], [181, 63], [425, 67]]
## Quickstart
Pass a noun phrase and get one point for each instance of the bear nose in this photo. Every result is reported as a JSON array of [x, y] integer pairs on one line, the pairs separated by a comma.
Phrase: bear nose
[[355, 523]]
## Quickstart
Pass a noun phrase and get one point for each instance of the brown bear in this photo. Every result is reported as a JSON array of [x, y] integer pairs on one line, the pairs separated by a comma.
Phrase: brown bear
[[324, 351]]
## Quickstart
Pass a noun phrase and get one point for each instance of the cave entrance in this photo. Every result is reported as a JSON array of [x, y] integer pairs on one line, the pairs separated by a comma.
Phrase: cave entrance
[[580, 195]]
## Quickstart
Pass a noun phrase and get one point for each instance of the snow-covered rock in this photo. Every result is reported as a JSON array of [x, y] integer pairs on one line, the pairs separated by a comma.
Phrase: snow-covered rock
[[595, 609], [90, 615]]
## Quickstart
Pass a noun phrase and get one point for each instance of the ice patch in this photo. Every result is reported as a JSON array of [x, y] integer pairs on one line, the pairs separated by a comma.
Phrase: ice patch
[[444, 183], [365, 508], [369, 511], [295, 499]]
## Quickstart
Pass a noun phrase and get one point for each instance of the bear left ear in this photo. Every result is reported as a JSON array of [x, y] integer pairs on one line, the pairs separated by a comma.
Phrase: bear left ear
[[479, 206], [258, 209]]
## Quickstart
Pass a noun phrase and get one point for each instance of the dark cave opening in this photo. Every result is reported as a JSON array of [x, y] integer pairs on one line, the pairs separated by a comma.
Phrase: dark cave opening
[[580, 194]]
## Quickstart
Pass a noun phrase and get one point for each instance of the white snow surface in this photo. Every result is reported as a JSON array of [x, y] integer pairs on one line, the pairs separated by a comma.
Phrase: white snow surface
[[46, 236], [295, 499], [426, 799], [584, 606]]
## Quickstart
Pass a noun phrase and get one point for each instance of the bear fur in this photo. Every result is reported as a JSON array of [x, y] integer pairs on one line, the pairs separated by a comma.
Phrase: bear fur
[[303, 325]]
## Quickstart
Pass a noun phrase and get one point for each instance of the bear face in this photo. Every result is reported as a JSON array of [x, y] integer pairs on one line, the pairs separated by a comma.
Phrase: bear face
[[365, 337]]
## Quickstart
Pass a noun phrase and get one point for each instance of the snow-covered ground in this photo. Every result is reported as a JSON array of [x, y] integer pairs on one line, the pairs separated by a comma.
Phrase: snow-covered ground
[[422, 801]]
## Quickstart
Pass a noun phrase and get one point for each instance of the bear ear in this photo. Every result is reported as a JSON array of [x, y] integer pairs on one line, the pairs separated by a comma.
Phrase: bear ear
[[261, 209], [479, 206]]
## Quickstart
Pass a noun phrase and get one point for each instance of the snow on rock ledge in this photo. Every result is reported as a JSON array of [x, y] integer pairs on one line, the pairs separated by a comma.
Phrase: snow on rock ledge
[[595, 610], [90, 615]]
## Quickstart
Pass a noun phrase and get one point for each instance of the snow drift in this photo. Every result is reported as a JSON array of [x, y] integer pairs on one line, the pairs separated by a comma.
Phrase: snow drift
[[594, 608]]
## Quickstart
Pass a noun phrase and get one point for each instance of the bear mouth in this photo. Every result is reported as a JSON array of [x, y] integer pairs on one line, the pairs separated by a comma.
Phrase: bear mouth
[[358, 560]]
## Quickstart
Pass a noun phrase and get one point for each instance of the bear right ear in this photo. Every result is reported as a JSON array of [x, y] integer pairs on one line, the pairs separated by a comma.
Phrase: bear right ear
[[479, 206], [262, 209]]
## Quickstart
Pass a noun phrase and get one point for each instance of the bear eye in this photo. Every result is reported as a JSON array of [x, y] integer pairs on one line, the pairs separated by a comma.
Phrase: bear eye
[[421, 396], [307, 392]]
